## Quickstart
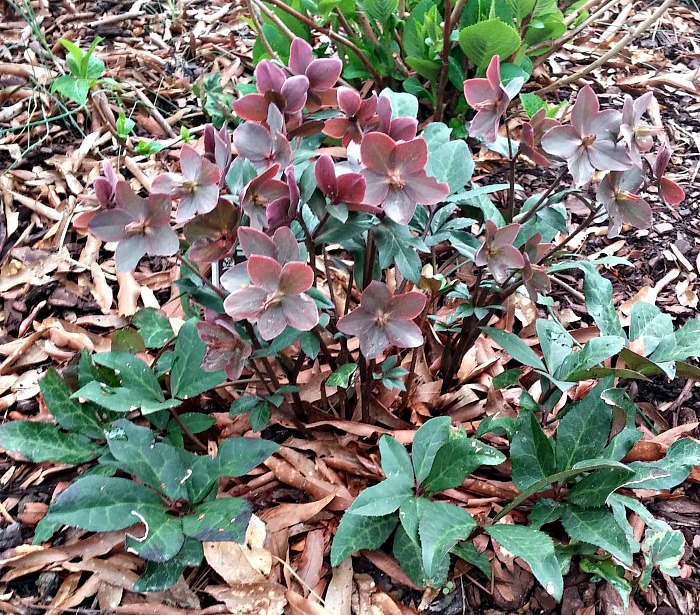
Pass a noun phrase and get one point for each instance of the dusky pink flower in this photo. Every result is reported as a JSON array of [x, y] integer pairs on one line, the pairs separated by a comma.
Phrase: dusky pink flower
[[531, 138], [264, 146], [590, 142], [275, 299], [358, 116], [225, 348], [288, 94], [140, 226], [490, 99], [105, 192], [282, 247], [497, 251], [383, 318], [617, 192], [259, 193], [212, 236], [396, 177], [217, 148], [282, 211], [638, 135], [535, 277], [197, 186], [398, 128], [669, 190], [348, 188], [322, 73]]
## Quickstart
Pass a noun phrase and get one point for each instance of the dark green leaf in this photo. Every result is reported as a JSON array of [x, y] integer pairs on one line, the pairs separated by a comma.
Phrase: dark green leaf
[[127, 340], [46, 442], [531, 453], [680, 458], [356, 532], [613, 574], [544, 511], [68, 413], [395, 459], [467, 551], [221, 520], [161, 540], [384, 498], [154, 327], [396, 244], [515, 347], [593, 490], [429, 438], [133, 373], [159, 577], [238, 456]]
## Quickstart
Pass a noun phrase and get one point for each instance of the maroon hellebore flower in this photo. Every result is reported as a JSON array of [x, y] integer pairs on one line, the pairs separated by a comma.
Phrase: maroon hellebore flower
[[396, 177], [282, 211], [498, 253], [217, 148], [261, 145], [490, 99], [398, 128], [105, 192], [275, 299], [288, 94], [140, 226], [531, 139], [384, 319], [669, 190], [259, 193], [617, 192], [535, 277], [358, 116], [225, 348], [197, 187], [348, 188], [212, 236], [590, 141], [322, 73]]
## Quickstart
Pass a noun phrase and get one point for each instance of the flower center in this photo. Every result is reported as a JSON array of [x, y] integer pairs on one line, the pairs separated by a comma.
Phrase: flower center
[[395, 179], [487, 105], [136, 228], [273, 299], [624, 196], [382, 319], [588, 140]]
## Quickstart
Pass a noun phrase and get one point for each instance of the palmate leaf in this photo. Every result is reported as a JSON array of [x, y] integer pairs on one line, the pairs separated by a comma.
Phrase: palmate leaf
[[397, 245]]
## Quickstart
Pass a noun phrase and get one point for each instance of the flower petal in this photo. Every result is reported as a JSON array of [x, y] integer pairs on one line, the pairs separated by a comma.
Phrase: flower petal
[[376, 151], [271, 322], [110, 225], [377, 187], [608, 156], [129, 252], [376, 297], [253, 241], [336, 127], [301, 54], [268, 77], [251, 107], [245, 303], [349, 100], [162, 241], [425, 189], [294, 91], [323, 73], [324, 172], [356, 322], [190, 163], [411, 156], [406, 306], [561, 141], [295, 278], [584, 110], [264, 271], [252, 141], [300, 312], [403, 334], [373, 342], [286, 246], [399, 205]]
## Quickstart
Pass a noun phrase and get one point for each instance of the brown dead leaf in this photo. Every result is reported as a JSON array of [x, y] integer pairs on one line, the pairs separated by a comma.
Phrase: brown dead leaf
[[101, 291], [686, 294], [339, 593], [310, 563], [303, 606], [264, 598], [128, 295], [286, 515]]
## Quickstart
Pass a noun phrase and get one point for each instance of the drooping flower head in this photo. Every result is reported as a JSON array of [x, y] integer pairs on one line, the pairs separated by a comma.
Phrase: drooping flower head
[[358, 116], [535, 277], [590, 142], [490, 99], [212, 236], [225, 348], [383, 319], [105, 193], [197, 186], [497, 251], [396, 177], [531, 138], [259, 193], [638, 135], [322, 73], [217, 148], [276, 297], [264, 146], [618, 193], [398, 128], [282, 211], [140, 226], [348, 188], [669, 190]]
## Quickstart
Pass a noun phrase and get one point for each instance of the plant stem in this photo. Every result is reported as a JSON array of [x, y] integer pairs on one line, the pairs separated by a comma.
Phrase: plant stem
[[257, 26], [510, 211], [537, 206], [341, 40], [186, 430], [445, 60], [369, 260], [406, 395]]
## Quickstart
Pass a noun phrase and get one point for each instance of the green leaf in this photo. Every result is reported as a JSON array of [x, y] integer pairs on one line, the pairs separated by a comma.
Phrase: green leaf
[[46, 442], [154, 327], [680, 458], [532, 103], [583, 432], [158, 577], [522, 8], [69, 414], [383, 498], [663, 549], [381, 10], [456, 460], [507, 378], [531, 453], [407, 552], [127, 340], [162, 539], [103, 504], [341, 377], [441, 527], [686, 344], [238, 456], [452, 164], [396, 244], [72, 88], [395, 459], [598, 527], [187, 378], [120, 399], [613, 574], [133, 373], [599, 302], [515, 347], [595, 351], [124, 126], [467, 551], [402, 104], [555, 341], [481, 41], [536, 548], [544, 511], [221, 520], [197, 422], [429, 438], [356, 532], [593, 490]]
